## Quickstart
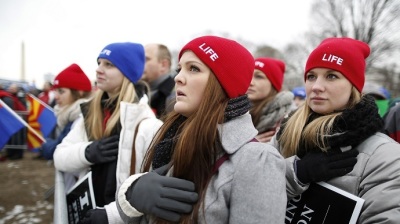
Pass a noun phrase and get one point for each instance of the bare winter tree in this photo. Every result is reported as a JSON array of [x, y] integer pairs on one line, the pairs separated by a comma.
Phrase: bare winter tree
[[295, 55], [375, 22], [267, 51]]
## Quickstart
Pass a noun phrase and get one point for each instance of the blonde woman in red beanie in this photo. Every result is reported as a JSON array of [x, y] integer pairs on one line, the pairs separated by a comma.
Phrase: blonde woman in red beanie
[[115, 131], [336, 135], [269, 104], [207, 165]]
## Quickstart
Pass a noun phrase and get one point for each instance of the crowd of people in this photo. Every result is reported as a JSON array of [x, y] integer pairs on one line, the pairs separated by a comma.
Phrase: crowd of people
[[13, 96], [220, 140]]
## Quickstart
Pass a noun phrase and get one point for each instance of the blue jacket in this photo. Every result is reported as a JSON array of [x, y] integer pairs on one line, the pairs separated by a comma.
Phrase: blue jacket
[[49, 147]]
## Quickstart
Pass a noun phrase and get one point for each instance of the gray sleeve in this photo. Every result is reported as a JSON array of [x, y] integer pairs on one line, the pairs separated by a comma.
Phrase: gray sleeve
[[380, 186], [128, 213], [258, 189], [293, 186]]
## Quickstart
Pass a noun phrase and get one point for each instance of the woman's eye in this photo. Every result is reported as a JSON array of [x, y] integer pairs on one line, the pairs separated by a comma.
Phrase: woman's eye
[[178, 70], [194, 68], [310, 77], [332, 76], [258, 76]]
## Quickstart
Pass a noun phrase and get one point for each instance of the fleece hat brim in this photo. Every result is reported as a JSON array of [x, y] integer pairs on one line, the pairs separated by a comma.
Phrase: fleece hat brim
[[232, 64], [345, 55], [274, 70], [72, 77], [128, 57]]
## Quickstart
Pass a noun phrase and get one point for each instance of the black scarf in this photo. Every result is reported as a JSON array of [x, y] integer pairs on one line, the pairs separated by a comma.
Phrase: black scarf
[[351, 128], [163, 150]]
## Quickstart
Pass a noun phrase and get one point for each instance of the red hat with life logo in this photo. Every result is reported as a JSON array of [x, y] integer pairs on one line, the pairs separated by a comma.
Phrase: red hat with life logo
[[232, 64], [274, 69], [72, 77], [342, 54]]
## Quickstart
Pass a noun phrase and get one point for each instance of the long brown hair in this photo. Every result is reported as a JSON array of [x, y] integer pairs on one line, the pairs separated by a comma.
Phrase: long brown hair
[[78, 94], [315, 132], [197, 145]]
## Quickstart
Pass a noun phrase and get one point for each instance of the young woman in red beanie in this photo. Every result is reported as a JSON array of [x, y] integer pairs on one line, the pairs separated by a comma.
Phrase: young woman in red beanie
[[269, 104], [335, 136], [71, 88], [207, 165], [115, 132]]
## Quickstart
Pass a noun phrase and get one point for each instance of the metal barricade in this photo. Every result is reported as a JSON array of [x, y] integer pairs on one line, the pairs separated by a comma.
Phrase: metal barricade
[[60, 200]]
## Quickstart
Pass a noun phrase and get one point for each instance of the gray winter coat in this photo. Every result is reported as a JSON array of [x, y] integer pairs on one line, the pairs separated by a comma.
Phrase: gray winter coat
[[249, 187], [375, 178]]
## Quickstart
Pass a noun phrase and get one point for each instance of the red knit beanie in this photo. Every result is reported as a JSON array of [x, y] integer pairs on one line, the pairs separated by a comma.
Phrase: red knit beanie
[[232, 64], [274, 69], [345, 55], [74, 78]]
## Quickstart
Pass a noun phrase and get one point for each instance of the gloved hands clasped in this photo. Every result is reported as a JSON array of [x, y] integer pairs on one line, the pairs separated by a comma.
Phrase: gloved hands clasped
[[162, 196], [321, 166], [103, 151]]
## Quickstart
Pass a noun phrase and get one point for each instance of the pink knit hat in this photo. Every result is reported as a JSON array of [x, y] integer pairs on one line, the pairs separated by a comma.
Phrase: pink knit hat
[[274, 69], [345, 55], [74, 78], [232, 64]]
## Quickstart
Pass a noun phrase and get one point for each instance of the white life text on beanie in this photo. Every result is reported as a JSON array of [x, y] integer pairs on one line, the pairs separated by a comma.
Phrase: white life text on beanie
[[106, 52], [209, 50], [332, 58], [259, 64]]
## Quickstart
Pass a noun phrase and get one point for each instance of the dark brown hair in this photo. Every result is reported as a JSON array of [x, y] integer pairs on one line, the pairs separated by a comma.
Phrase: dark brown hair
[[198, 143]]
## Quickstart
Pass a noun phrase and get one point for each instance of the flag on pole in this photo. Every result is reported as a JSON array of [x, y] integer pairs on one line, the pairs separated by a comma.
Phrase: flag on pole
[[10, 123], [41, 119]]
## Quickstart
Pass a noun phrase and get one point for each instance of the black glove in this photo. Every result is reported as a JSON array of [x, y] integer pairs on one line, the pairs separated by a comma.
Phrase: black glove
[[95, 216], [164, 197], [321, 166], [103, 151]]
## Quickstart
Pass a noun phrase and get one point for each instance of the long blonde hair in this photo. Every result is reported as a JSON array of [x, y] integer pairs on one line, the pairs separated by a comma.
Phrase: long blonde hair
[[95, 115], [314, 133], [198, 144]]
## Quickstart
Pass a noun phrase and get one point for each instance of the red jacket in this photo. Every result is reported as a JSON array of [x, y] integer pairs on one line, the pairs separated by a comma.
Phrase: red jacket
[[16, 103]]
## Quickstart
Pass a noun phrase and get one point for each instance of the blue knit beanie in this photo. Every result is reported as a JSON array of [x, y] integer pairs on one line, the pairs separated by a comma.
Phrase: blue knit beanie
[[128, 57]]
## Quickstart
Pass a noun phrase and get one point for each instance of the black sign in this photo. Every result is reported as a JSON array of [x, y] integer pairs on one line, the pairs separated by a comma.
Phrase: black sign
[[323, 204], [80, 199]]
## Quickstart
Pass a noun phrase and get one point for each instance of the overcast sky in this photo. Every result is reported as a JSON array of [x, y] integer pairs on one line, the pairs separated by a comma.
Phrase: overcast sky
[[57, 33]]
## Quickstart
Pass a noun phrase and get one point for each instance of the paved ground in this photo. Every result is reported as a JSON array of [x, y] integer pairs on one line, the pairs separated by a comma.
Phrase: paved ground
[[24, 184]]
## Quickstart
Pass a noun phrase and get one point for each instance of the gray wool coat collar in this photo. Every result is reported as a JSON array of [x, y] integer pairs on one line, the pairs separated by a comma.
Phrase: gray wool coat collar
[[237, 132]]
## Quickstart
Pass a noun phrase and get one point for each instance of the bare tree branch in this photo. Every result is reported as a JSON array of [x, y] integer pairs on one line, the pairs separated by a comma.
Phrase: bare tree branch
[[374, 22]]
